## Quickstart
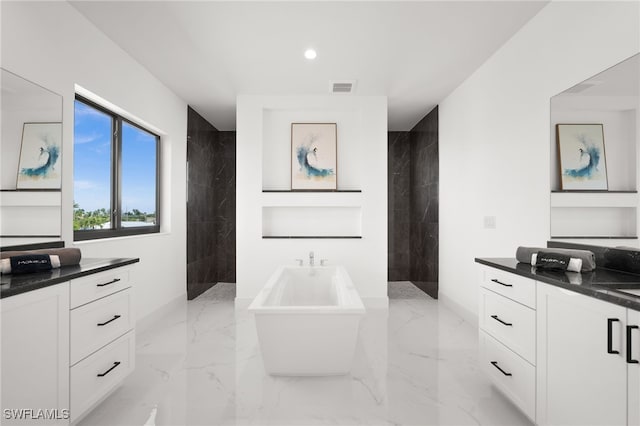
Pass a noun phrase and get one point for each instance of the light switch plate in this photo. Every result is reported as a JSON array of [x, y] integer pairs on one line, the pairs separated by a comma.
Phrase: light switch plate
[[489, 222]]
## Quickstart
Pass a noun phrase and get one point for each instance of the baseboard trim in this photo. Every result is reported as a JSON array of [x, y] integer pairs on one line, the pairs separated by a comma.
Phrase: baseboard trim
[[454, 306], [147, 321]]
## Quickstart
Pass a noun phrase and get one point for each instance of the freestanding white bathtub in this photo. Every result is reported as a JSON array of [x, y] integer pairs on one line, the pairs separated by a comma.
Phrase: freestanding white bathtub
[[307, 320]]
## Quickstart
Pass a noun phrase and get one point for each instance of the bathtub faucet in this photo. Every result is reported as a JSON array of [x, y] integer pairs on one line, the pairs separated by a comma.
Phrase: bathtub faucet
[[311, 260]]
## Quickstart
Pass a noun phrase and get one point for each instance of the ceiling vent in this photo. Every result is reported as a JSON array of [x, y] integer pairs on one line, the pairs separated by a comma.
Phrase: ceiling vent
[[342, 87], [582, 87]]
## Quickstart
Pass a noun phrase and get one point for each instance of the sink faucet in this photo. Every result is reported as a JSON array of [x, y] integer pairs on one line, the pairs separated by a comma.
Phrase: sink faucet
[[311, 260]]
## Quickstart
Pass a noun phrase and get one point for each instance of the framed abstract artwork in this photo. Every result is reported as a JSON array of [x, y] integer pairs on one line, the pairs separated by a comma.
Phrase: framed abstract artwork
[[40, 156], [581, 152], [314, 156]]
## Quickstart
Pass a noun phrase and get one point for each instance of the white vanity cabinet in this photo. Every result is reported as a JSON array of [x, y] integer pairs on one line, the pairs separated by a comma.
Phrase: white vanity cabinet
[[507, 319], [34, 339], [102, 340], [562, 357], [582, 368], [64, 347], [633, 368]]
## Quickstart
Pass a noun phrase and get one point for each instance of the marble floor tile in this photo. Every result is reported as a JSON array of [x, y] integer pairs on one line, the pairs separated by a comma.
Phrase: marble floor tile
[[415, 364]]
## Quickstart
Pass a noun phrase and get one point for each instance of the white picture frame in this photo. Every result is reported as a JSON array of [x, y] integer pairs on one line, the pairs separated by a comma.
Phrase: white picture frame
[[40, 156], [581, 152], [314, 156]]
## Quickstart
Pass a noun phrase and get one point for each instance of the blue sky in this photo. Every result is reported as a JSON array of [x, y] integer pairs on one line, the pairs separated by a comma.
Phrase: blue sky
[[92, 163]]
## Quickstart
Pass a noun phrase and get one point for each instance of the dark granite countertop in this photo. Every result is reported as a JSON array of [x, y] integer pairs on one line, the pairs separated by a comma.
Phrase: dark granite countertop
[[601, 283], [11, 285]]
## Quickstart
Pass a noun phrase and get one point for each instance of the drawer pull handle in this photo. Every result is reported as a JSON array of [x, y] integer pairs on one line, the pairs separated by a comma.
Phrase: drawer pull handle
[[495, 317], [115, 317], [630, 360], [109, 283], [501, 283], [115, 364], [495, 364], [610, 322]]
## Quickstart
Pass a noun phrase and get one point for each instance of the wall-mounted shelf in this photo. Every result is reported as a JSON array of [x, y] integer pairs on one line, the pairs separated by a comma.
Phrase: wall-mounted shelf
[[30, 190], [311, 237], [595, 238], [575, 191]]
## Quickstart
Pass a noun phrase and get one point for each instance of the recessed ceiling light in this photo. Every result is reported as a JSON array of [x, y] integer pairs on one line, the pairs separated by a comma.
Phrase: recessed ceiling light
[[310, 54]]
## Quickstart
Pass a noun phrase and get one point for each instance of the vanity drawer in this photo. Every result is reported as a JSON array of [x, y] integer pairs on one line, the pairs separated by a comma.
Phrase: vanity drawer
[[512, 324], [86, 289], [515, 287], [510, 373], [95, 376], [95, 324]]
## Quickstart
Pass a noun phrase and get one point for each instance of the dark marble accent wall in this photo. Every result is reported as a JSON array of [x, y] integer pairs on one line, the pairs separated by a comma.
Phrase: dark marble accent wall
[[211, 205], [423, 203], [413, 179], [398, 206]]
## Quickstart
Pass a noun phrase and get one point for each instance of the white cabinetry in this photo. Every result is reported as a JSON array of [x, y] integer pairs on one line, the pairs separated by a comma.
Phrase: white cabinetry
[[633, 368], [583, 376], [35, 356], [102, 351], [562, 357], [507, 335]]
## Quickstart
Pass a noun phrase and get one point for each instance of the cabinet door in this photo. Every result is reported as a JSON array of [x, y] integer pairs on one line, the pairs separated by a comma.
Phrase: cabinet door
[[633, 368], [35, 356], [579, 382]]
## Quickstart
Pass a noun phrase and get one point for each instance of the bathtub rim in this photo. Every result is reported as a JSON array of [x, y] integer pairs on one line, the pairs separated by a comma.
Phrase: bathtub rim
[[355, 306]]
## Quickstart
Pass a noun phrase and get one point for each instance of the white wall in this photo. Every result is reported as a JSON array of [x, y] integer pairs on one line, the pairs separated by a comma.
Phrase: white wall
[[263, 161], [53, 45], [494, 134]]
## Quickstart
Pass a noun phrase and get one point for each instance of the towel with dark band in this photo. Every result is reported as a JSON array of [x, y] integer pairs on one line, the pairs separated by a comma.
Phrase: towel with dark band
[[26, 264], [68, 256], [553, 260], [523, 254]]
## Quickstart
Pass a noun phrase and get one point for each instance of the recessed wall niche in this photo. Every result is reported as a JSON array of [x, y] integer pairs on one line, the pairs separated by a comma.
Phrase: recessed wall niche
[[276, 147], [263, 181]]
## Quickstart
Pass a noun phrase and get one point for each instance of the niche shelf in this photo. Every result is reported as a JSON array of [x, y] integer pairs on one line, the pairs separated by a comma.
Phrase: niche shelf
[[30, 213], [311, 237], [305, 221], [594, 199], [303, 191], [594, 215], [318, 199], [594, 218]]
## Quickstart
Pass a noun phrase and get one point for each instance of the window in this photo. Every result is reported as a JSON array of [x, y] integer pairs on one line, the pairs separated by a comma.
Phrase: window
[[115, 175]]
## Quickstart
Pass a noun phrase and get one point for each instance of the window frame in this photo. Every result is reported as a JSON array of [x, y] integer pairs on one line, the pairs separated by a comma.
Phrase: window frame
[[116, 180]]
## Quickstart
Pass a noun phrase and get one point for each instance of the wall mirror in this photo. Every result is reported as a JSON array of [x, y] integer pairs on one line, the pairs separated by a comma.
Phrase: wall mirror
[[31, 162], [594, 137]]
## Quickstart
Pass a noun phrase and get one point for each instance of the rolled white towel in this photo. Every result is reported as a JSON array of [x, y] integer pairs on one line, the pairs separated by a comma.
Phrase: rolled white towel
[[523, 254], [574, 264], [5, 264]]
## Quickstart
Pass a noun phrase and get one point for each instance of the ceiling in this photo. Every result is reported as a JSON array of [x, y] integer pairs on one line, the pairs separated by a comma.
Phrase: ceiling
[[208, 52], [619, 80]]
